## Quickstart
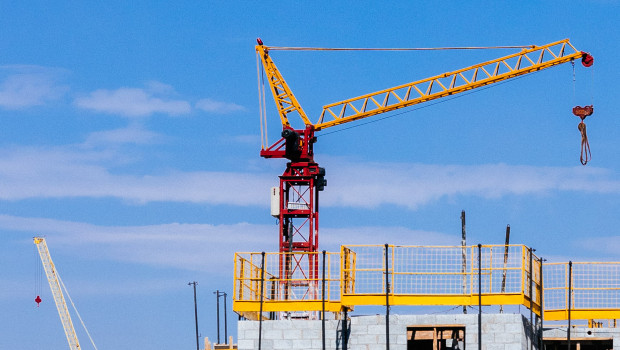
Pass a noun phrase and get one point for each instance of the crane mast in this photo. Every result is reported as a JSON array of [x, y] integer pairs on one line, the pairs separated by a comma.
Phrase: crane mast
[[59, 299], [301, 182]]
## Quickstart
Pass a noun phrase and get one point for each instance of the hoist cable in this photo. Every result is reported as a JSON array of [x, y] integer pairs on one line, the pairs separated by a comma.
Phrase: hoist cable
[[290, 48], [75, 309], [260, 101]]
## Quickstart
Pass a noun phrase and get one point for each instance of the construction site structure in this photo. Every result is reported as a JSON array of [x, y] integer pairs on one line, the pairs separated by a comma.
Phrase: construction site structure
[[59, 298], [296, 201], [583, 297], [433, 275]]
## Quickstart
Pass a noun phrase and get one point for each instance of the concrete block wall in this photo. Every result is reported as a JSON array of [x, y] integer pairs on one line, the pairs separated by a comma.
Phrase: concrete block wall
[[499, 332]]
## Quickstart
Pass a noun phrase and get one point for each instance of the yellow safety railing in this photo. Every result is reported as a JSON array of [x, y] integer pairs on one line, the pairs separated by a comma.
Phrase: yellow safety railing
[[418, 275], [438, 275], [586, 290], [293, 282]]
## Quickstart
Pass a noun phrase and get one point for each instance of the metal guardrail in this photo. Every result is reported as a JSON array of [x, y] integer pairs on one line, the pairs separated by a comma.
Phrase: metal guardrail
[[592, 289], [294, 292], [418, 275]]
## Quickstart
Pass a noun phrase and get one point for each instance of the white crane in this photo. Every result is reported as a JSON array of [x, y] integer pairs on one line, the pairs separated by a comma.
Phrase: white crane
[[55, 285]]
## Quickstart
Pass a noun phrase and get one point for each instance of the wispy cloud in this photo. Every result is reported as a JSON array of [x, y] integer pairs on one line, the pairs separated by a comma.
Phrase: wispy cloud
[[135, 102], [175, 245], [27, 86], [132, 134], [213, 106], [62, 172], [185, 246], [413, 185]]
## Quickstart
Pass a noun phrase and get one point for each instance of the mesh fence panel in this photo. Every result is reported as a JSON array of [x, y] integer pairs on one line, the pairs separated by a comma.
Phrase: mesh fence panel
[[594, 286]]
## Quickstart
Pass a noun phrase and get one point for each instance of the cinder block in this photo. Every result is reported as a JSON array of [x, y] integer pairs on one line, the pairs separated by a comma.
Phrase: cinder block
[[311, 333], [279, 324], [249, 334], [272, 334], [507, 338], [375, 346], [302, 344], [492, 346], [376, 329], [266, 344], [492, 328], [291, 334], [514, 346], [366, 339], [245, 325], [282, 344], [246, 344]]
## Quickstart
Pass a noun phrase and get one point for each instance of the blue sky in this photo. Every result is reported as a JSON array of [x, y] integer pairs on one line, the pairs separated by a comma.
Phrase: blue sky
[[130, 139]]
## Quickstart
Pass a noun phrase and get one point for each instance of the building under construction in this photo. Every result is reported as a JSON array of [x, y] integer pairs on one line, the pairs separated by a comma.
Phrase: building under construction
[[301, 298], [561, 304]]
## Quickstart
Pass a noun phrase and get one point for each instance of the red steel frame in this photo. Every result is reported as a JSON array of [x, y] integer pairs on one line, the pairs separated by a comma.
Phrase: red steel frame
[[300, 185]]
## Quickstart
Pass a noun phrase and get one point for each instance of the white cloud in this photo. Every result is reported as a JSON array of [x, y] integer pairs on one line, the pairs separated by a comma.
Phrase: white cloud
[[413, 185], [26, 86], [209, 105], [201, 247], [133, 134], [60, 173], [176, 245], [333, 238], [134, 102]]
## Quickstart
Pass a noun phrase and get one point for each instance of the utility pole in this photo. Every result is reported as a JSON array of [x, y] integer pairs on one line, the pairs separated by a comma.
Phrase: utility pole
[[218, 295], [195, 313]]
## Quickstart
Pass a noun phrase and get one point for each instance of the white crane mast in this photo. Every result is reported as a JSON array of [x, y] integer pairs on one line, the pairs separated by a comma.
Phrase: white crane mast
[[59, 299]]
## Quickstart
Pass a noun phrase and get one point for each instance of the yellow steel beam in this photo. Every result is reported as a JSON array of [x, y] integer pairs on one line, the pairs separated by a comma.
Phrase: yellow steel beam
[[287, 305], [282, 94], [582, 314], [486, 73]]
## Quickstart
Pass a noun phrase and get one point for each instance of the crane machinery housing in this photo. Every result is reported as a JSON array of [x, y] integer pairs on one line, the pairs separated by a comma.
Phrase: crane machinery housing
[[296, 201]]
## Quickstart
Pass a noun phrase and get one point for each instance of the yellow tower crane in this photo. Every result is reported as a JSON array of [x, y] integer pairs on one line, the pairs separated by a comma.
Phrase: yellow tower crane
[[296, 202]]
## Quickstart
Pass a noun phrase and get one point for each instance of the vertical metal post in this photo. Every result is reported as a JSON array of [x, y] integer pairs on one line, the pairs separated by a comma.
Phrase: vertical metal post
[[570, 301], [195, 313], [542, 305], [463, 257], [217, 297], [345, 330], [387, 298], [479, 296], [225, 321], [260, 314], [323, 304], [531, 298]]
